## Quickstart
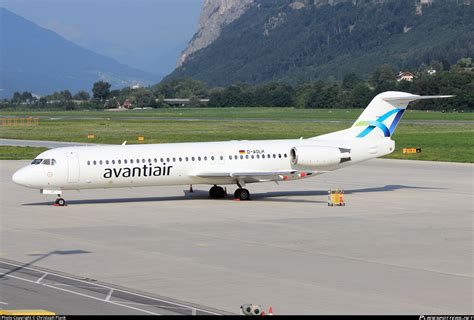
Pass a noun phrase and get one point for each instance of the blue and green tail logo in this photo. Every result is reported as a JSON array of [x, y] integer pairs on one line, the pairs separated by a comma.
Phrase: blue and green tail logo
[[371, 125]]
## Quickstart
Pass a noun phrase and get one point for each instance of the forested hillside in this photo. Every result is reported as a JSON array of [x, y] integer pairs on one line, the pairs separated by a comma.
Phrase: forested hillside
[[304, 41]]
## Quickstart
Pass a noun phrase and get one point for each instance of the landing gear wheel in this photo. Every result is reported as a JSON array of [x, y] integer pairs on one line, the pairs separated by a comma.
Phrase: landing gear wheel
[[61, 202], [242, 194], [237, 193], [217, 192]]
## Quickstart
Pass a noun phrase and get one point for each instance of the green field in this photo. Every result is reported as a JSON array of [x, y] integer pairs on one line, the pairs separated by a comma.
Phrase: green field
[[243, 113], [440, 142]]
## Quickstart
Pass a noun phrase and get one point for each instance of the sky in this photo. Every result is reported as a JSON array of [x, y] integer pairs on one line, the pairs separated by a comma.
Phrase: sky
[[146, 34]]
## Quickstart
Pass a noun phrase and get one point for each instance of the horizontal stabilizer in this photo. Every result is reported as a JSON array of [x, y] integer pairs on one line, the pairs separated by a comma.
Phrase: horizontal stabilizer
[[413, 98]]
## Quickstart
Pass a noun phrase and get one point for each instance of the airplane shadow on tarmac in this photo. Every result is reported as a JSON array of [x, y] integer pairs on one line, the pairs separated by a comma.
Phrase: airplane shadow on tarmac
[[285, 196], [41, 256]]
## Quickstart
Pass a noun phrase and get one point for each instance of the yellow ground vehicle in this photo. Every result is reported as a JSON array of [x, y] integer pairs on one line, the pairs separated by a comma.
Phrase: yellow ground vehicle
[[26, 313], [336, 197]]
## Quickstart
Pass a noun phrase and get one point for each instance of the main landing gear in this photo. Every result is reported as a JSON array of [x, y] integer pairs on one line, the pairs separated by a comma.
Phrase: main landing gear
[[217, 192], [60, 202], [241, 193]]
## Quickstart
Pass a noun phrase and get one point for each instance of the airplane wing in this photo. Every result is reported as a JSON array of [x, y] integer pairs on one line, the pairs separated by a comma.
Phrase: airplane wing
[[261, 174]]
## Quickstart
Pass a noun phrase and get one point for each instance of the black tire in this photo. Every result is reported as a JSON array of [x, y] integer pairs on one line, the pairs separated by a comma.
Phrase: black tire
[[213, 192], [237, 193], [244, 194], [61, 202], [217, 192]]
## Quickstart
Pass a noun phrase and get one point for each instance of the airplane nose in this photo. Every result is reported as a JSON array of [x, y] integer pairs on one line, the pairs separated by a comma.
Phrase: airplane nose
[[20, 177]]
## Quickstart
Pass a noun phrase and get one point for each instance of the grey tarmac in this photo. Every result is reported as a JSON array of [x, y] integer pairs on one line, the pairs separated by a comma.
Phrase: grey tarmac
[[403, 244]]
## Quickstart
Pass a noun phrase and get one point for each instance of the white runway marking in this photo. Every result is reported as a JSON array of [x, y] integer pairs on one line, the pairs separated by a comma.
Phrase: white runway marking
[[109, 295], [42, 277], [107, 299], [80, 294]]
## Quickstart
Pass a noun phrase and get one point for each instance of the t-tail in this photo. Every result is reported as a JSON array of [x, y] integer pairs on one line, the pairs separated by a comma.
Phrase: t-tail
[[380, 118]]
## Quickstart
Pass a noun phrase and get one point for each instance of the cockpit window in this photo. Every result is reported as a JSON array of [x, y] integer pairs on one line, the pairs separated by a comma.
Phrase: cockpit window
[[47, 162]]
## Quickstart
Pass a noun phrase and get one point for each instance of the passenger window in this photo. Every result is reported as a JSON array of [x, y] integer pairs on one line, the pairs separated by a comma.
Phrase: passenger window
[[279, 155], [192, 158], [236, 157], [143, 160], [95, 162], [180, 159], [241, 156], [167, 159], [88, 163], [253, 156], [100, 162], [230, 157], [174, 159], [284, 155], [246, 156], [149, 160], [212, 158], [222, 157], [125, 161], [199, 158], [113, 161], [161, 160], [119, 161], [131, 161], [205, 158], [156, 160], [274, 156]]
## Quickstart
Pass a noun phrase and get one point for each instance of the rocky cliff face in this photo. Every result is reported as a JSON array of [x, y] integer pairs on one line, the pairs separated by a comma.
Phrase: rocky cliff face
[[255, 41], [215, 15]]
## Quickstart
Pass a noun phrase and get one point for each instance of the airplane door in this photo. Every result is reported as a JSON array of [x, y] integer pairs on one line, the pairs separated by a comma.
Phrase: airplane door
[[73, 167]]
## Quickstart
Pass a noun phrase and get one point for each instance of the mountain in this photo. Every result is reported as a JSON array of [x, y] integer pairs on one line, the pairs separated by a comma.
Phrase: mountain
[[40, 61], [305, 40]]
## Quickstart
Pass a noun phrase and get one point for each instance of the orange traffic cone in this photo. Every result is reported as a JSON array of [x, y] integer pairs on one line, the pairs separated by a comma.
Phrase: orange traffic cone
[[270, 311], [191, 188]]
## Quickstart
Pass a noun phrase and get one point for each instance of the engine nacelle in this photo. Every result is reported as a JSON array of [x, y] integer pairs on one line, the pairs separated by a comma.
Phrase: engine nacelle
[[318, 156]]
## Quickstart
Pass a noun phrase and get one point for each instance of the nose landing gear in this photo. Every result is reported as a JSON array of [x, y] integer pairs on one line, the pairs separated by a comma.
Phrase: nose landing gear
[[60, 202]]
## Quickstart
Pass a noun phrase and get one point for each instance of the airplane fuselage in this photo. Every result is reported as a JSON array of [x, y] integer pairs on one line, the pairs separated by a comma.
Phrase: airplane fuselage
[[107, 166]]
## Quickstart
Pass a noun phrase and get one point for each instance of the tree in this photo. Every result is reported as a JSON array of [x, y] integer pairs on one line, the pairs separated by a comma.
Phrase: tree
[[82, 95], [66, 95], [350, 81], [101, 90]]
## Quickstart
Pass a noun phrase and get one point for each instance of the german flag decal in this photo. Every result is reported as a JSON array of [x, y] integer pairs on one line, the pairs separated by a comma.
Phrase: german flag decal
[[241, 151]]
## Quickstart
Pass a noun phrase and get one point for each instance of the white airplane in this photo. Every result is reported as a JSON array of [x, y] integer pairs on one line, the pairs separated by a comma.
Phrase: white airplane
[[218, 163]]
